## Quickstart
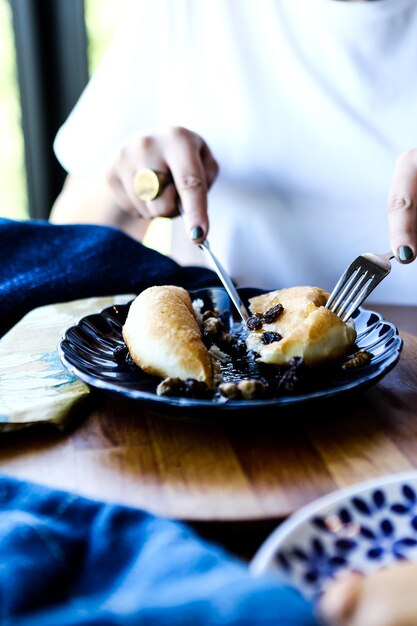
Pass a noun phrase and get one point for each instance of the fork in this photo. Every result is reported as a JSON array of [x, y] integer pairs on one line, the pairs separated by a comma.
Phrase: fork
[[356, 283]]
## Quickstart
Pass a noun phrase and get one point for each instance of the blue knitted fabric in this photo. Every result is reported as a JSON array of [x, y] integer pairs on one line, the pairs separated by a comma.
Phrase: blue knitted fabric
[[43, 263], [67, 560]]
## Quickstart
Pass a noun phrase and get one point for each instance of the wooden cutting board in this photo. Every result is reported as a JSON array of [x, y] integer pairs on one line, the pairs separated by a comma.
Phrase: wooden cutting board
[[228, 468]]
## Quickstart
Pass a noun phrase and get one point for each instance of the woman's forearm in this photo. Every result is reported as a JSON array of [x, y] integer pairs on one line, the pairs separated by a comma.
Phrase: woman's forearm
[[89, 199]]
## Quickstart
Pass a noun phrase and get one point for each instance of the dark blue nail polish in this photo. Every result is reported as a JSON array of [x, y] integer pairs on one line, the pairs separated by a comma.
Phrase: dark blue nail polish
[[196, 233], [404, 254]]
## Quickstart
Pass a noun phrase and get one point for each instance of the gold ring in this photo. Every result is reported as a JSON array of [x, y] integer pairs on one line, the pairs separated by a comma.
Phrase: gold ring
[[149, 184]]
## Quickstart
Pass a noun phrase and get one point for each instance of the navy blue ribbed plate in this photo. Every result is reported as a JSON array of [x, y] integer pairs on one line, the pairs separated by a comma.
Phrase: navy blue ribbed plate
[[88, 350]]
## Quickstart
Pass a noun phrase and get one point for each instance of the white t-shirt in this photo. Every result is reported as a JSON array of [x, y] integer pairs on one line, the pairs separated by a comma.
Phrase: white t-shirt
[[306, 105]]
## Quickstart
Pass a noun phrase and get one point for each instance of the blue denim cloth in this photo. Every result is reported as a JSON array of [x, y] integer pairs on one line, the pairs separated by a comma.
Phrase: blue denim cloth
[[67, 560], [42, 263]]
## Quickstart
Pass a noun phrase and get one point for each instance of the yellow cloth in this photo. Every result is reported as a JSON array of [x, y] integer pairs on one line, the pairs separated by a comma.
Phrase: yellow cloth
[[34, 384]]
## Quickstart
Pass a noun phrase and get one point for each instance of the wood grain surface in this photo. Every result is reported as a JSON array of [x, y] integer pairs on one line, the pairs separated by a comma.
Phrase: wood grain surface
[[229, 468]]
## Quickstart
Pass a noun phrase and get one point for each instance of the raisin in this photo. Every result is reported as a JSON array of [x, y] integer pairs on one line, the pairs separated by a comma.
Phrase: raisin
[[273, 313], [270, 337], [293, 376], [120, 354], [255, 322], [207, 314], [130, 362], [238, 349], [196, 389]]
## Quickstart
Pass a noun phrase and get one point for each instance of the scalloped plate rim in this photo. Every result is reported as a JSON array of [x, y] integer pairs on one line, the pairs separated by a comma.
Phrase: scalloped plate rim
[[151, 399]]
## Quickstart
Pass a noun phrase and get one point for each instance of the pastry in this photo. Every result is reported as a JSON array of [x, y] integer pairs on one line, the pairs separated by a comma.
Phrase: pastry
[[294, 322], [386, 597], [164, 338]]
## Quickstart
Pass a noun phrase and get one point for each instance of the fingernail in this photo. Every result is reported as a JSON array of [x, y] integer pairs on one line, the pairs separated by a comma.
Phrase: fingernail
[[404, 254], [196, 233]]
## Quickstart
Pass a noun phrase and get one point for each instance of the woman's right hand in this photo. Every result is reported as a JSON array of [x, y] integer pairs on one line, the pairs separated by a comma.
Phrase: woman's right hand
[[178, 151], [402, 207]]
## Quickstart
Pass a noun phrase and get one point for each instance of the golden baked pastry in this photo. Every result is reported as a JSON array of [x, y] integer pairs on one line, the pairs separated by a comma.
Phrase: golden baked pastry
[[164, 337], [386, 597], [294, 322]]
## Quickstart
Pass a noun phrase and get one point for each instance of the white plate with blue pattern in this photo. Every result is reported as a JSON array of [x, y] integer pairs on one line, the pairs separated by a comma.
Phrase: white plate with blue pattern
[[360, 528]]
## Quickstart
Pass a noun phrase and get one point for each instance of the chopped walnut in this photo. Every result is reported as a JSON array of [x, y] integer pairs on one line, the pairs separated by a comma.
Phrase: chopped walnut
[[212, 326], [209, 313], [244, 389], [189, 388], [218, 354], [217, 339], [251, 389], [169, 387], [230, 391], [360, 358]]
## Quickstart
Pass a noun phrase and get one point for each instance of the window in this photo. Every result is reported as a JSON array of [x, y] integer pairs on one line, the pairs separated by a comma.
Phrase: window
[[13, 188], [35, 96], [101, 19], [72, 35]]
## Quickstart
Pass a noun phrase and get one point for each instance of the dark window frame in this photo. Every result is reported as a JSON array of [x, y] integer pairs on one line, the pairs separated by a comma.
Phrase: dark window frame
[[52, 65]]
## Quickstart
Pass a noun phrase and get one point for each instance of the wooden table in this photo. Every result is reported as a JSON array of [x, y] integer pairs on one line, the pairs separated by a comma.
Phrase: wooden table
[[235, 477]]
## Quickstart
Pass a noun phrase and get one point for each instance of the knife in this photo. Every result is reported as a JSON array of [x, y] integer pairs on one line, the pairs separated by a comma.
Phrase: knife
[[223, 275], [226, 280]]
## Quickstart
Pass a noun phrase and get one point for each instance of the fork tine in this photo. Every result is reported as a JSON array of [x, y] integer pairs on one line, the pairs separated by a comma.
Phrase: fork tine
[[354, 302], [358, 288], [340, 291], [357, 282], [364, 293], [342, 286]]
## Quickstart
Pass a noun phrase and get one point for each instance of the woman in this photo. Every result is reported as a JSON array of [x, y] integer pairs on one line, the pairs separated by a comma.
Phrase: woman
[[298, 115]]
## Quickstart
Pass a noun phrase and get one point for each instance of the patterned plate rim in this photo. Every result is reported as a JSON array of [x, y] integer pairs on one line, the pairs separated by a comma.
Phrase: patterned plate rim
[[260, 562], [150, 398]]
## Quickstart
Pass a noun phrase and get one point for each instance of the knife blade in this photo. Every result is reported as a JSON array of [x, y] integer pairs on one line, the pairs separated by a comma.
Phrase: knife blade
[[226, 280]]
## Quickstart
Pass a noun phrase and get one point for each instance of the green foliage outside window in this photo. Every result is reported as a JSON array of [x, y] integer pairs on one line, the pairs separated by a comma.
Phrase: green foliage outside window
[[101, 20], [13, 192]]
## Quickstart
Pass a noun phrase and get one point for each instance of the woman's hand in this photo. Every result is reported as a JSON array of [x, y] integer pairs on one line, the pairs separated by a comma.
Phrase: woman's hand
[[187, 157], [386, 597], [402, 207]]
